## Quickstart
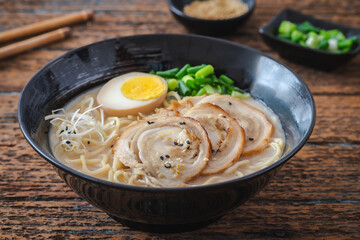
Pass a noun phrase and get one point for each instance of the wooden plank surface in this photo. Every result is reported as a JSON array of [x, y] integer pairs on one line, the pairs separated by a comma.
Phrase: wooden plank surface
[[316, 195]]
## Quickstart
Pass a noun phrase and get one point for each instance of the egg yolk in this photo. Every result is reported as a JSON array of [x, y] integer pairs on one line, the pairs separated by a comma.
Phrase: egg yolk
[[143, 88]]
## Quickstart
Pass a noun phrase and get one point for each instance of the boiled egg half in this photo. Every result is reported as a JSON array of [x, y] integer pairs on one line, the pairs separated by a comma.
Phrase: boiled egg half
[[132, 93]]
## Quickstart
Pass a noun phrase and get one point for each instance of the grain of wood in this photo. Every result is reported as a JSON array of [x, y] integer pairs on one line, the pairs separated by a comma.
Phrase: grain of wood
[[315, 195], [293, 197]]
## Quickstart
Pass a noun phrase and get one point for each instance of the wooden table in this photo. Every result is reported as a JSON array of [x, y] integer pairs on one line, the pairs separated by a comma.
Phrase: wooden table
[[315, 196]]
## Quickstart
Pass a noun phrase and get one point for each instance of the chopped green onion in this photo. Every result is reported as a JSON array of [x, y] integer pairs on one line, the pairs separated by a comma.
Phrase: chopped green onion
[[198, 80], [193, 93], [334, 33], [189, 81], [209, 89], [240, 95], [237, 90], [226, 79], [172, 83], [312, 40], [302, 43], [345, 49], [323, 44], [285, 36], [213, 78], [286, 27], [313, 34], [310, 36], [201, 92], [222, 89], [202, 81], [218, 89], [340, 36], [344, 43], [184, 90], [296, 36], [204, 72], [193, 70], [307, 27], [191, 84], [187, 78], [168, 73], [324, 34], [183, 71], [333, 43]]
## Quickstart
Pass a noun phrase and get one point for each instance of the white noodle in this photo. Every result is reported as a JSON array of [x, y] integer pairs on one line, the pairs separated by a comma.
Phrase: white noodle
[[84, 137]]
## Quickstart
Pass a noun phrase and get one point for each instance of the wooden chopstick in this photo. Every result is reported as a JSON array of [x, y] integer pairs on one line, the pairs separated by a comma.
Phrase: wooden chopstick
[[33, 42], [46, 25]]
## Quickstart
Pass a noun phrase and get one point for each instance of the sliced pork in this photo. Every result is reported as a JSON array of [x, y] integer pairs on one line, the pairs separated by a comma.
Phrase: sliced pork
[[226, 136], [257, 127], [167, 148]]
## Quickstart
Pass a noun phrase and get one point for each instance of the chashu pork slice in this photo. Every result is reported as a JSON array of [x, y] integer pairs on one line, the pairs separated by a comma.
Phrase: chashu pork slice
[[169, 148], [257, 127], [226, 136], [185, 103]]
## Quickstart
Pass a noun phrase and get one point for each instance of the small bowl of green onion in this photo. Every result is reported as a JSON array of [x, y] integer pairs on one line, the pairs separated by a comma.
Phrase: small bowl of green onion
[[309, 41]]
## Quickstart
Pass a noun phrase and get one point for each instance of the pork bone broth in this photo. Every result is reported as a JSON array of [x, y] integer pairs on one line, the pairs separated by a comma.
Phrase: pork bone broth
[[170, 146]]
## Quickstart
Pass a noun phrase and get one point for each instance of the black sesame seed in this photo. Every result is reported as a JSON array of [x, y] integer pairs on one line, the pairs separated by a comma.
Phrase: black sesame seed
[[167, 165], [188, 141], [167, 156], [212, 150], [175, 143], [224, 116], [230, 103], [161, 157], [68, 142], [149, 122], [66, 128], [251, 139], [182, 123], [188, 147], [61, 131], [88, 142], [180, 145]]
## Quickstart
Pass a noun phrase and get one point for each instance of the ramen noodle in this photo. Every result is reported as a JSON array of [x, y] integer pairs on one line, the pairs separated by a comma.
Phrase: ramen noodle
[[187, 142]]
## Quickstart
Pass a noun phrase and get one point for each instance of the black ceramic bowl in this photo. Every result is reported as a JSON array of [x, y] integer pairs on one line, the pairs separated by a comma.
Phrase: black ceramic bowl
[[208, 27], [310, 57], [165, 209]]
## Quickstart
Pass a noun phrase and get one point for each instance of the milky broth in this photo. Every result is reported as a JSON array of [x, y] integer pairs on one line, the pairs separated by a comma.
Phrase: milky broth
[[101, 165]]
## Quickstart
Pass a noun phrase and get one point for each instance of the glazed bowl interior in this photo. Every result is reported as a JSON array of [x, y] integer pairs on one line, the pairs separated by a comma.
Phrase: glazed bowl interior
[[89, 66]]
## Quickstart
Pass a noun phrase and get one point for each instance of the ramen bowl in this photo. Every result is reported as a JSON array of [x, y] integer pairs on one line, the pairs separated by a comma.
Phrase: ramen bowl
[[206, 26], [165, 209]]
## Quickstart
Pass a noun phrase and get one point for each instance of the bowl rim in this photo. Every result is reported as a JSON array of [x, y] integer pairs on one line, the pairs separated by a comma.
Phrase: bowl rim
[[284, 158], [181, 13], [264, 31]]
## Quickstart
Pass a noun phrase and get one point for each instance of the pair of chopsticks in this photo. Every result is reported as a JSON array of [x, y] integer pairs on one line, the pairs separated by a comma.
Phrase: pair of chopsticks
[[40, 27]]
